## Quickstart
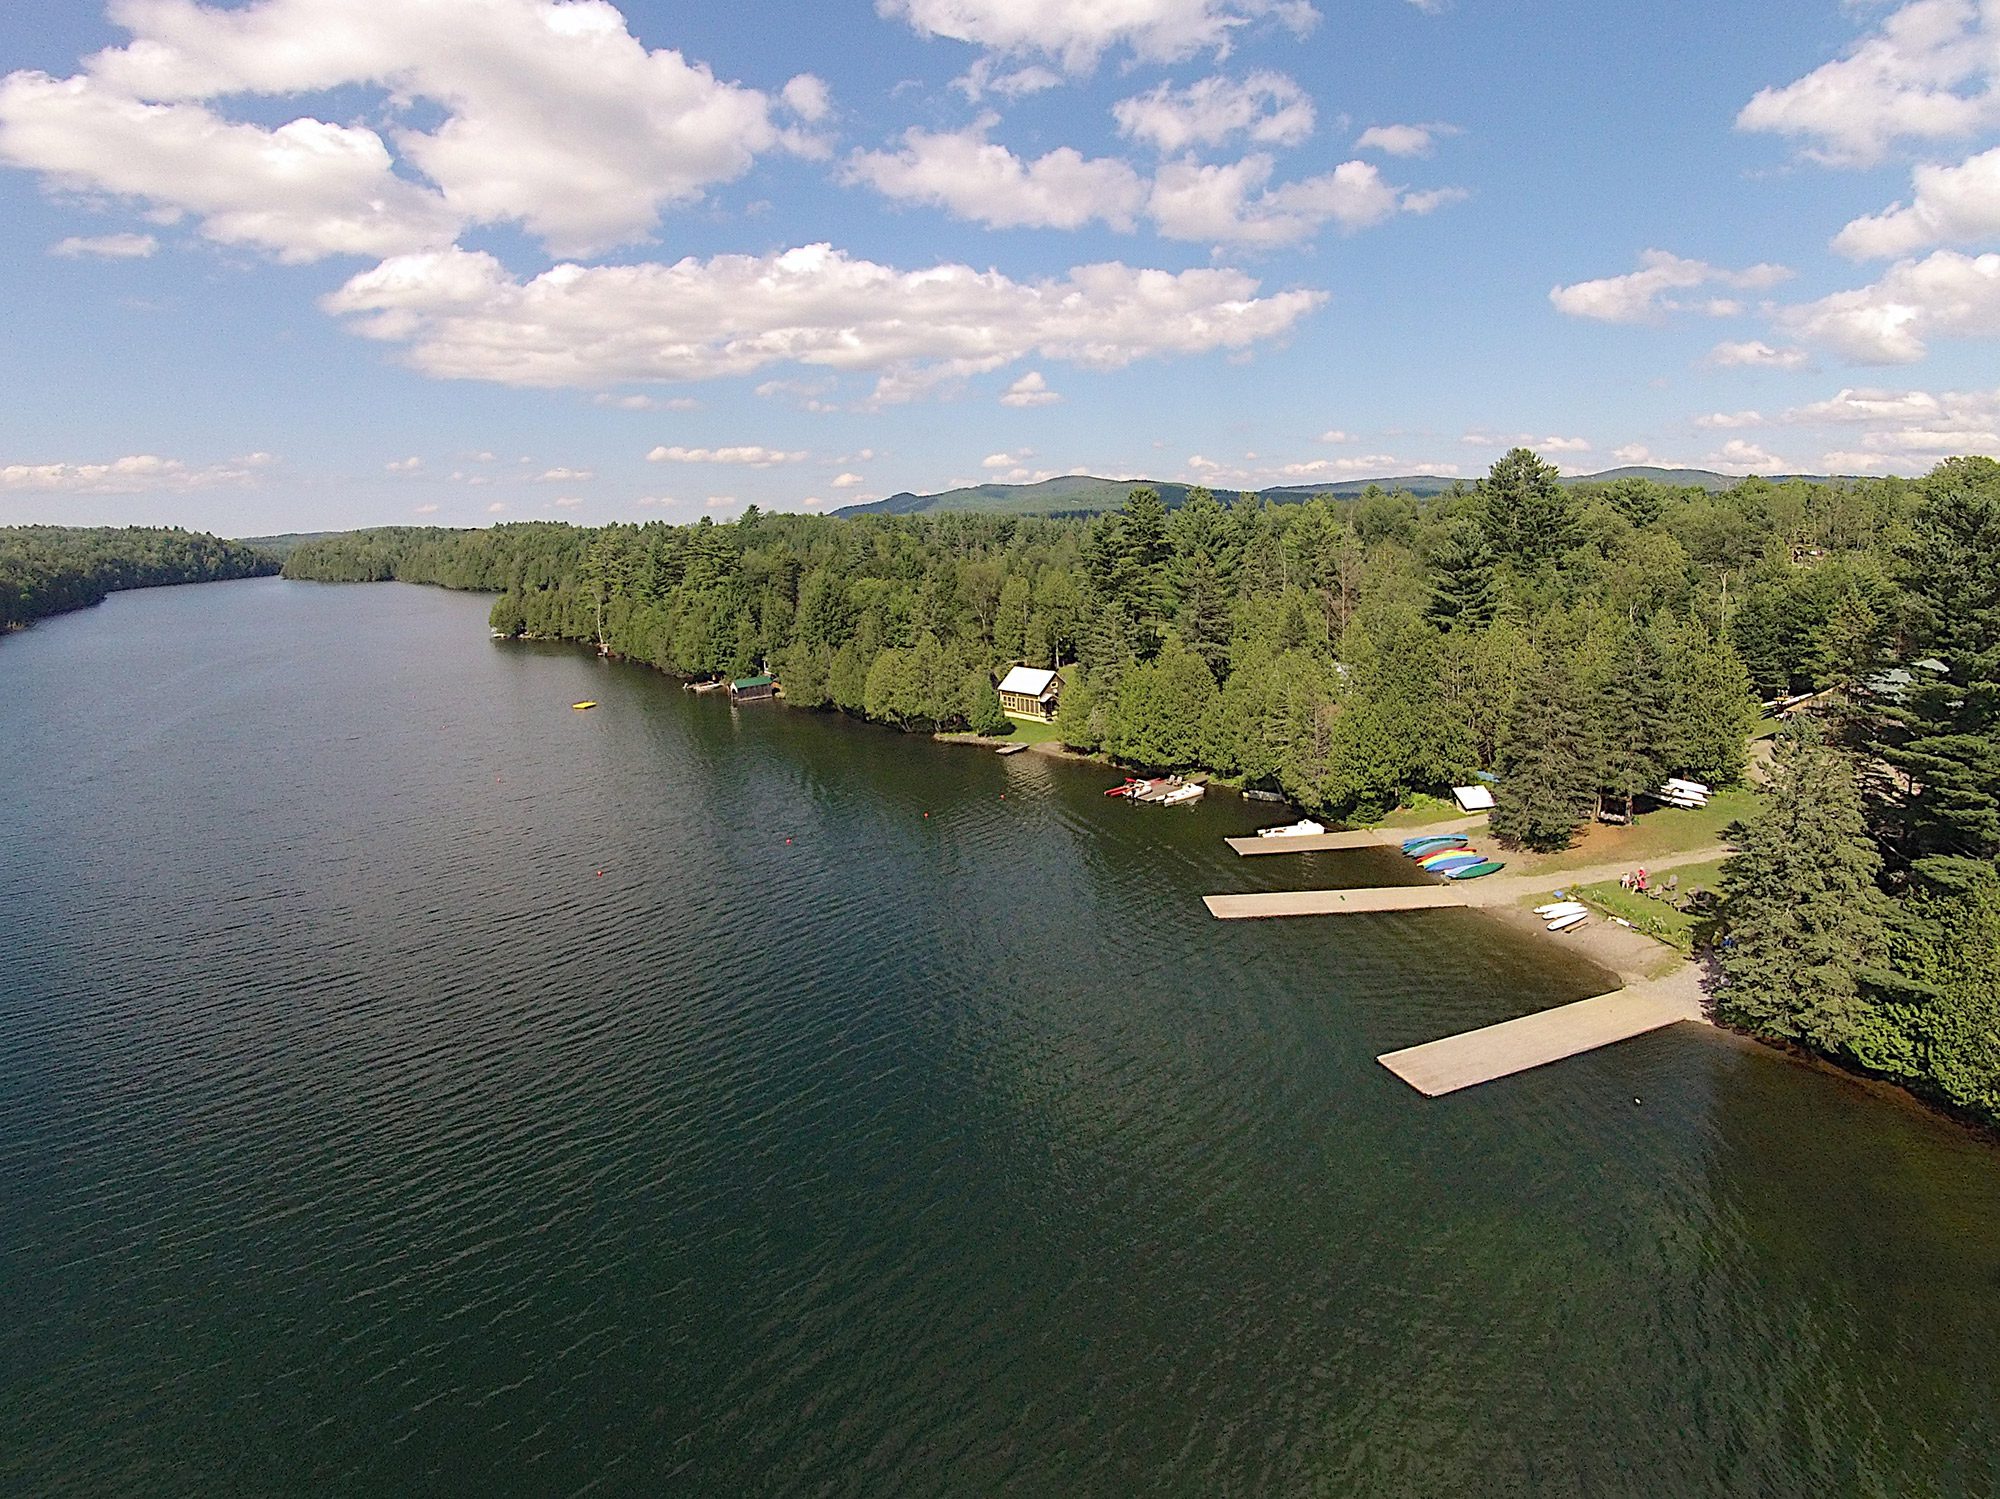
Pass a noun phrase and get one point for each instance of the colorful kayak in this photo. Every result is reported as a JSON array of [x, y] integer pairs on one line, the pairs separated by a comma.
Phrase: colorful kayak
[[1452, 863], [1431, 861], [1416, 848], [1478, 871], [581, 706]]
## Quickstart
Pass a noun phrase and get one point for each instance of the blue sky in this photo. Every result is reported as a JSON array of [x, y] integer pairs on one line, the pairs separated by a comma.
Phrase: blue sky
[[294, 264]]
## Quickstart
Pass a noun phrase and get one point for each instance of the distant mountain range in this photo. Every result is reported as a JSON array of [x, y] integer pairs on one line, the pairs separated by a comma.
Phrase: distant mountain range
[[1084, 494]]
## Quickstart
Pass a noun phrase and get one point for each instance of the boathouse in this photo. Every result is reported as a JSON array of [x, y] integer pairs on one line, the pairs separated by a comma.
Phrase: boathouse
[[1028, 693], [752, 689]]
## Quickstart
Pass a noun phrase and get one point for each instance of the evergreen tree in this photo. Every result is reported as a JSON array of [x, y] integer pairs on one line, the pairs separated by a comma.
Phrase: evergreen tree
[[1079, 718], [1165, 711], [1805, 916], [1544, 788], [980, 704], [1463, 592], [1010, 620], [1203, 622], [1712, 707], [1942, 1008], [1530, 518]]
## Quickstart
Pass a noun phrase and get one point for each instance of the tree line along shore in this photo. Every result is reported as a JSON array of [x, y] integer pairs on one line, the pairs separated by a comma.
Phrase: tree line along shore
[[1578, 643], [47, 570]]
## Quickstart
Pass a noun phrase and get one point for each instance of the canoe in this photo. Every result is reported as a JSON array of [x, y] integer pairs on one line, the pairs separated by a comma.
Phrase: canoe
[[1449, 854], [1451, 866], [581, 706], [1416, 848], [1124, 790], [1478, 871], [1564, 923], [1559, 908]]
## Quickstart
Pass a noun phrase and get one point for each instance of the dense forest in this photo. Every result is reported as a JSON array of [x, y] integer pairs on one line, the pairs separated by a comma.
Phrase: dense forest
[[50, 569], [1578, 642]]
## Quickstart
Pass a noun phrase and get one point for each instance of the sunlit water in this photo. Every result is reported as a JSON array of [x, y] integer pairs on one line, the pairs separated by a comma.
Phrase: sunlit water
[[411, 1085]]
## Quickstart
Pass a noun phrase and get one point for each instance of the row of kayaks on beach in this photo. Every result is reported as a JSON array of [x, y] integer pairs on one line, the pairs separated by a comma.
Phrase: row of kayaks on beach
[[1561, 915], [1450, 855]]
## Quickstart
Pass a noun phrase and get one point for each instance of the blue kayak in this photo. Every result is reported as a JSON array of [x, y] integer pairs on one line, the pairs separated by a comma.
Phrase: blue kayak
[[1455, 862], [1416, 848]]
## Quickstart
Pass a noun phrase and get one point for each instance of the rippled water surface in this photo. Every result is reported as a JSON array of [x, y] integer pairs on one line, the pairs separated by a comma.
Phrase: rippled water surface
[[408, 1084]]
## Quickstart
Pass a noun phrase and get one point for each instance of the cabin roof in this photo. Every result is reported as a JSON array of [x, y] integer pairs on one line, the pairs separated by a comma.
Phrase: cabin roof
[[1027, 680], [1472, 798], [743, 682]]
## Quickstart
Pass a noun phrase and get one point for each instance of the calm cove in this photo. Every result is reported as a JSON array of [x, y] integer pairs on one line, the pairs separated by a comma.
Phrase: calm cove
[[411, 1085]]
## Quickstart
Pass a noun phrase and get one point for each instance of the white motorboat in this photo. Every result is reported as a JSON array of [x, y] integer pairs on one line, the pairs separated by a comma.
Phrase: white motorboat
[[1193, 791], [1305, 828]]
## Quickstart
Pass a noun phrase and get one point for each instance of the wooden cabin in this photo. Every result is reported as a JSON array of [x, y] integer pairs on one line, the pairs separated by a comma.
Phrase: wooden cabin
[[1026, 692], [753, 689]]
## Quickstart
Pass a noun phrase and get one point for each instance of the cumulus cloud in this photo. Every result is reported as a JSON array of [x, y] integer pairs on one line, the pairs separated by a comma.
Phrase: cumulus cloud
[[1950, 205], [847, 481], [1334, 434], [646, 403], [750, 456], [975, 178], [1266, 107], [1565, 444], [1234, 203], [141, 473], [550, 116], [1868, 430], [1926, 73], [410, 465], [1740, 456], [1755, 354], [1643, 296], [1890, 322], [567, 502], [460, 314], [1030, 390], [1076, 36], [564, 476], [105, 247], [498, 507], [1730, 420], [1403, 140]]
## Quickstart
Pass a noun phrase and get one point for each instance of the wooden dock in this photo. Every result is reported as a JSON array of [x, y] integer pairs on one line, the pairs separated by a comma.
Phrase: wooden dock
[[1316, 843], [1512, 1046], [1333, 902]]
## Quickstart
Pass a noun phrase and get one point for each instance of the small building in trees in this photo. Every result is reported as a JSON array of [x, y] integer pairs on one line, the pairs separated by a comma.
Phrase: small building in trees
[[1028, 693], [752, 689]]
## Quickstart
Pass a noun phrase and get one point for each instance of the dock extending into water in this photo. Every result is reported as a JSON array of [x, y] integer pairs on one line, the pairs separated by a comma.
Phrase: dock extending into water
[[1512, 1046], [1333, 902], [1313, 844]]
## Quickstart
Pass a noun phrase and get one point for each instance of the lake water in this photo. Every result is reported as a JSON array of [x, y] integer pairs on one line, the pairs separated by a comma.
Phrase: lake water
[[410, 1085]]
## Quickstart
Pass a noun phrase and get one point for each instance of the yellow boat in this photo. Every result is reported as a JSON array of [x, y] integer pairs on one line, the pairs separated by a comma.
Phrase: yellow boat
[[583, 705]]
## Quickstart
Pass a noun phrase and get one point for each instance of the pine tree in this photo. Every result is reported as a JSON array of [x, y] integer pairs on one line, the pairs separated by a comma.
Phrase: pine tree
[[1530, 518], [1712, 707], [1463, 592], [1203, 622], [1942, 1012], [1544, 788], [1805, 916], [1165, 711]]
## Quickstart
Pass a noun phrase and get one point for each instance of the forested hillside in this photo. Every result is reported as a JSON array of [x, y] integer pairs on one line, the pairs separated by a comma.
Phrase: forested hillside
[[1581, 642], [49, 569]]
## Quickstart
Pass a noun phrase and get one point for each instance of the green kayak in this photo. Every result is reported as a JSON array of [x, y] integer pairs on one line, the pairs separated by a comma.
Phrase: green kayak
[[1475, 871]]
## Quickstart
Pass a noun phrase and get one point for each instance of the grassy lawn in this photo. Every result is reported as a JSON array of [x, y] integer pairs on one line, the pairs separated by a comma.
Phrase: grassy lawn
[[1656, 918], [1422, 811], [1026, 731], [1667, 830]]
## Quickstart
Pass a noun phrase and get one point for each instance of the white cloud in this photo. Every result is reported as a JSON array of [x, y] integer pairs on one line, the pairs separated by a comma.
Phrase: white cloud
[[1030, 390], [751, 456], [564, 476], [1944, 295], [498, 507], [1334, 434], [1267, 107], [1927, 73], [551, 116], [463, 316], [1403, 140], [1739, 456], [404, 465], [655, 501], [1755, 354], [425, 510], [1641, 296], [1728, 421], [647, 403], [567, 502], [987, 76], [1565, 444], [977, 179], [141, 473], [1950, 205], [1006, 460], [848, 481], [106, 247], [1634, 453], [1375, 463], [809, 98], [1233, 205], [719, 501], [1076, 36]]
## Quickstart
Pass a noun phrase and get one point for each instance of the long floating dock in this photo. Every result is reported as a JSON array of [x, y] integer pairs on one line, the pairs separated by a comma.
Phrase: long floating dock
[[1512, 1046], [1316, 843], [1333, 902]]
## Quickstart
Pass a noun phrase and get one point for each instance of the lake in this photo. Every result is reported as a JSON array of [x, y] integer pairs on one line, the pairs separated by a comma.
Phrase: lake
[[411, 1085]]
